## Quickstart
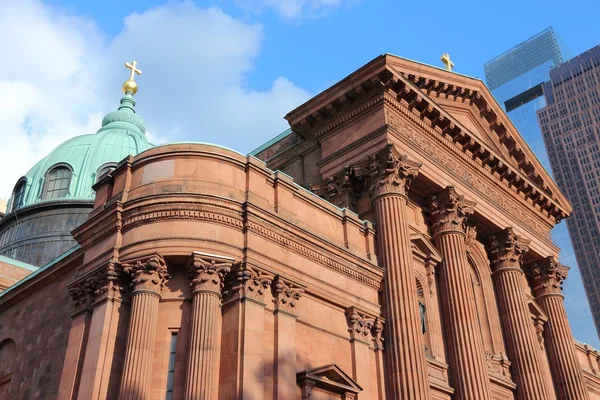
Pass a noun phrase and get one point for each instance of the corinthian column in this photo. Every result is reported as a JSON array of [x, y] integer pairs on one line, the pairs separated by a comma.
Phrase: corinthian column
[[207, 273], [449, 212], [406, 375], [547, 277], [147, 280], [506, 250]]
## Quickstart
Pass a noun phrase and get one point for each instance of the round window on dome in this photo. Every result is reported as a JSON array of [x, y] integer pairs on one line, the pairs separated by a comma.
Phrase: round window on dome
[[57, 182]]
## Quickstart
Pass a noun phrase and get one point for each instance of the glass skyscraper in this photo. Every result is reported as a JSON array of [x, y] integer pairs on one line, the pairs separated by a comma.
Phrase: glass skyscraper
[[516, 79]]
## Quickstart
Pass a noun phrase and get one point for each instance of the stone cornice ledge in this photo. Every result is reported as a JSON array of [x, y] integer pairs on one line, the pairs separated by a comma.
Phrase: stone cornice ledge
[[386, 80]]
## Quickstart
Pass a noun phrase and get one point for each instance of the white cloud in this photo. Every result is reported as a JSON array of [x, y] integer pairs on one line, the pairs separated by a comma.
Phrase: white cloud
[[63, 75], [295, 9]]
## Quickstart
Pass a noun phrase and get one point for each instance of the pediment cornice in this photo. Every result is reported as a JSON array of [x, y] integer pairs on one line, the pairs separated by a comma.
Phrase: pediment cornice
[[379, 81]]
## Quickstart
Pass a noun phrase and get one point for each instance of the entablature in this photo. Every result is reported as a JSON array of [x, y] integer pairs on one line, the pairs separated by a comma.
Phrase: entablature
[[385, 85]]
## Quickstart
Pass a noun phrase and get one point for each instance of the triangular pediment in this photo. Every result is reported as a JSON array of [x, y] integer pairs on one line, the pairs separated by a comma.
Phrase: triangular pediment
[[456, 107], [474, 108], [329, 377], [424, 246]]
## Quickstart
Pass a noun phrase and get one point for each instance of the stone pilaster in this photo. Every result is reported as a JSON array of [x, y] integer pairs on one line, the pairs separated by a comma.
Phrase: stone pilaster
[[360, 327], [242, 359], [449, 212], [207, 273], [95, 300], [377, 336], [546, 279], [506, 251], [406, 375], [147, 280], [285, 296]]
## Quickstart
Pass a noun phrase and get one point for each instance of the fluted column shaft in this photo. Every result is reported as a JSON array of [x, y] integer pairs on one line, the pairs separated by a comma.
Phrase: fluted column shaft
[[203, 357], [137, 370], [406, 374], [566, 371], [202, 378], [147, 280], [506, 250], [465, 343]]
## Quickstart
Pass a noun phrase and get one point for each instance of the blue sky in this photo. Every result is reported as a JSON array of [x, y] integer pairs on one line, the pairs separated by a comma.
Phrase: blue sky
[[315, 52], [227, 71]]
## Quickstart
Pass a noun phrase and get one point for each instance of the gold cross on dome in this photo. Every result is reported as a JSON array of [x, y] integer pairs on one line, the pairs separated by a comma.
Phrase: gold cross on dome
[[133, 69], [447, 62]]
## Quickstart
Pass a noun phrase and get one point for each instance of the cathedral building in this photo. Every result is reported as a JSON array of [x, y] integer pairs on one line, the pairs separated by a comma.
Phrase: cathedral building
[[394, 243]]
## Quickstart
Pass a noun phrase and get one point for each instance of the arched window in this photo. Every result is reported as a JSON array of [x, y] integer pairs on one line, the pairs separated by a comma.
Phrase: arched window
[[104, 169], [7, 365], [19, 194], [58, 180]]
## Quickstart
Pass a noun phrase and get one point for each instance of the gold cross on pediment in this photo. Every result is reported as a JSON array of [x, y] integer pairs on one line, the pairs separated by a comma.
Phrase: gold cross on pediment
[[133, 69], [447, 62]]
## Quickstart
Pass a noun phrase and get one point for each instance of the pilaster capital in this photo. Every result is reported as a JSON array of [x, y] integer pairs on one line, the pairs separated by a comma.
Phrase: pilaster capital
[[285, 294], [506, 250], [547, 277], [105, 282], [208, 272], [342, 191], [248, 282], [377, 333], [150, 275], [360, 324], [391, 172], [449, 211]]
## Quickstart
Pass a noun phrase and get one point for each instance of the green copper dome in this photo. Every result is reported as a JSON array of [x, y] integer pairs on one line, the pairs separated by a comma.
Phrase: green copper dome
[[86, 156]]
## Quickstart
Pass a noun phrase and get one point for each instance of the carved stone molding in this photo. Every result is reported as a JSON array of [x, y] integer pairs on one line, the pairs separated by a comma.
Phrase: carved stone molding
[[150, 275], [377, 333], [330, 379], [547, 277], [360, 325], [498, 364], [471, 237], [449, 211], [457, 164], [391, 172], [248, 282], [507, 249], [539, 323], [343, 191], [208, 272], [105, 282], [285, 294], [296, 245]]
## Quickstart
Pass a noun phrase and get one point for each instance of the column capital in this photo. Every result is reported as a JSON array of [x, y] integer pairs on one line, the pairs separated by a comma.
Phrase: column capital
[[449, 211], [547, 276], [342, 190], [285, 294], [507, 249], [105, 282], [208, 272], [151, 275], [248, 282], [360, 325], [391, 172]]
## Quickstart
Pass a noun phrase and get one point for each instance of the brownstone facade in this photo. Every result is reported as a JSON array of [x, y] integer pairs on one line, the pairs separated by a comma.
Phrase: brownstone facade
[[420, 268]]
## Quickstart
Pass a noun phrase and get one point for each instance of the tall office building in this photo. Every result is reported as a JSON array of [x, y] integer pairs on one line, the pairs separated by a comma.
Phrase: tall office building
[[516, 77], [570, 124]]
